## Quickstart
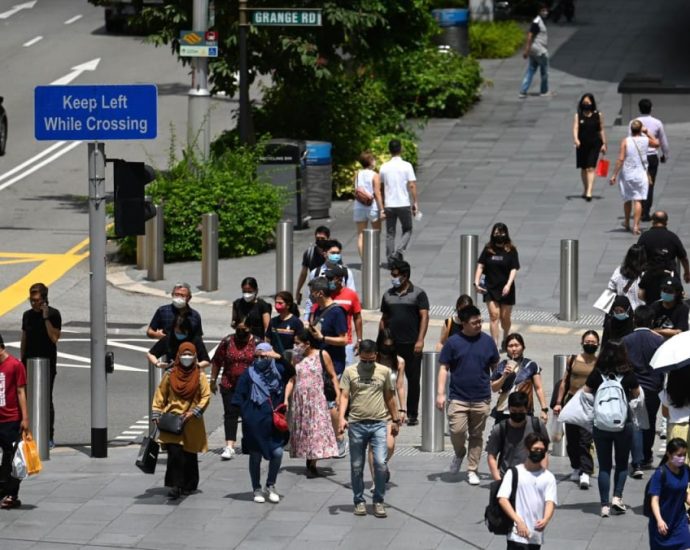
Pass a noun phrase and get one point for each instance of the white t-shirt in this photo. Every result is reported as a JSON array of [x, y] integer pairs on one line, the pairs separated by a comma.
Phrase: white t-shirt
[[365, 179], [533, 490], [675, 415], [394, 175]]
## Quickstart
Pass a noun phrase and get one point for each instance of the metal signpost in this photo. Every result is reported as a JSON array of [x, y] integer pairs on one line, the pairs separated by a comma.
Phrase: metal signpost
[[96, 113]]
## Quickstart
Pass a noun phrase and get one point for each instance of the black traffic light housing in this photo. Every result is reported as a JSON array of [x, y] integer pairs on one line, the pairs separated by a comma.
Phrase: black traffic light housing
[[131, 208]]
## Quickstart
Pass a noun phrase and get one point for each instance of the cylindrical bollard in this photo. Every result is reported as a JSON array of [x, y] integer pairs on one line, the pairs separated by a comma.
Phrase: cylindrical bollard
[[560, 364], [154, 245], [284, 256], [209, 252], [142, 257], [155, 377], [38, 394], [371, 275], [569, 280], [432, 418], [468, 265]]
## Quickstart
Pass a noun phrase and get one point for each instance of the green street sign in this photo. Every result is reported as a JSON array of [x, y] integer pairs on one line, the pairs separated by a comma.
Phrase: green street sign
[[286, 17]]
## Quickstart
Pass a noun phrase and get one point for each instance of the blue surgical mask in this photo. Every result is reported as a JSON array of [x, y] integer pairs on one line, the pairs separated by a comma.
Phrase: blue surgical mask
[[396, 282], [620, 316], [668, 296], [180, 335], [331, 285], [335, 258]]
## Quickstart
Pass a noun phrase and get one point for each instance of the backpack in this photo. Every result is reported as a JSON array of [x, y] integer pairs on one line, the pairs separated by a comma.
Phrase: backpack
[[610, 405], [495, 518], [647, 502]]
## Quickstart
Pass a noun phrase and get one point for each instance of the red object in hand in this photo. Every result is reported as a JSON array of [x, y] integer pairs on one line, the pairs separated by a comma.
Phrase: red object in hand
[[603, 168]]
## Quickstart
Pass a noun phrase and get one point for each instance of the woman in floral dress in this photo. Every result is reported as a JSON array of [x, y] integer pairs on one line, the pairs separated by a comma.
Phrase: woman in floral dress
[[311, 431]]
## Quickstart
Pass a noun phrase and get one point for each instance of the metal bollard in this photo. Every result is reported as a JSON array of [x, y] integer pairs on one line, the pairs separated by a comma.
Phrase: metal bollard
[[284, 256], [155, 377], [432, 418], [142, 258], [209, 252], [38, 394], [468, 265], [569, 280], [371, 274], [560, 363], [154, 245]]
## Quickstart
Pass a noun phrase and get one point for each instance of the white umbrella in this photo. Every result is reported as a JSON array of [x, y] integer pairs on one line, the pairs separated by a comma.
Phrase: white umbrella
[[672, 354]]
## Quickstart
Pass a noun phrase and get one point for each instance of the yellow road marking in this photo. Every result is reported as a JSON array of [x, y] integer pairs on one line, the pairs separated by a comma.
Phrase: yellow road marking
[[49, 270], [22, 261]]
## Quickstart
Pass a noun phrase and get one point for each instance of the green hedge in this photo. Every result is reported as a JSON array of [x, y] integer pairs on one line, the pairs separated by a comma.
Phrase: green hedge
[[495, 40]]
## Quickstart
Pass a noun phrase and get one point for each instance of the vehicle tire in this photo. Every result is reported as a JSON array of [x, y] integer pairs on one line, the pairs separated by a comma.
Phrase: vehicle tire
[[3, 135]]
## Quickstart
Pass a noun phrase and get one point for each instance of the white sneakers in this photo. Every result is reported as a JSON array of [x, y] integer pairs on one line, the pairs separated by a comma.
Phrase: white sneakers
[[271, 493], [605, 511], [227, 454], [259, 496], [618, 506], [472, 478], [584, 481], [455, 464]]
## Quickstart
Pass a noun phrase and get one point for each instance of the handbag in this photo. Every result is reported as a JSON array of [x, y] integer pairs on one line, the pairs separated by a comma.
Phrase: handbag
[[579, 410], [362, 196], [29, 451], [602, 169], [605, 301], [280, 422], [171, 423], [147, 457]]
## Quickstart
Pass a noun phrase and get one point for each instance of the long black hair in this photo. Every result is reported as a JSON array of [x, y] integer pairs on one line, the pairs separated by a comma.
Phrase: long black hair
[[579, 103], [613, 359], [491, 245], [678, 387], [634, 262], [672, 447]]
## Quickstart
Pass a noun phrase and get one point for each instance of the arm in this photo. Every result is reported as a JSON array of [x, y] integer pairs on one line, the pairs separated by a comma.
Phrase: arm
[[383, 322], [528, 45], [288, 390], [328, 363], [445, 329], [511, 280], [686, 269], [478, 278], [204, 399], [393, 411], [635, 392], [155, 334], [359, 331], [576, 131], [24, 409], [549, 508], [664, 144], [441, 392], [561, 395], [378, 196], [300, 283], [412, 189], [423, 326], [667, 332], [619, 163], [53, 333], [342, 409], [539, 389], [656, 511], [652, 140], [266, 320], [400, 389], [22, 347], [602, 133], [507, 507], [493, 467]]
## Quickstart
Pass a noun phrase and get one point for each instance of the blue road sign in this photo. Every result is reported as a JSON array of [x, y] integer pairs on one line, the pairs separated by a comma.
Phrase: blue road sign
[[96, 113]]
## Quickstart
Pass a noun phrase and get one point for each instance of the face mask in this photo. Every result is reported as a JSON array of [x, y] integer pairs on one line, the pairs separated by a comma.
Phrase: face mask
[[248, 296], [187, 360], [366, 364], [241, 334], [518, 417], [331, 285], [500, 239], [620, 316], [335, 258], [396, 282], [678, 461], [667, 296], [178, 302], [280, 307], [590, 348], [298, 350], [536, 456], [180, 335], [587, 107]]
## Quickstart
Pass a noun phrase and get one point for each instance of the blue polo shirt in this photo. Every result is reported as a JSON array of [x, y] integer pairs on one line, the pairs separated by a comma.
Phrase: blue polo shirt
[[469, 360], [641, 344]]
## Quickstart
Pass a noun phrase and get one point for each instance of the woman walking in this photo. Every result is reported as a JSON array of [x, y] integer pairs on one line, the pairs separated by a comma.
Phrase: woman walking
[[232, 358], [499, 264], [625, 279], [184, 392], [259, 391], [578, 440], [618, 321], [612, 363], [368, 207], [668, 487], [631, 173], [283, 329], [312, 435], [590, 141], [255, 312]]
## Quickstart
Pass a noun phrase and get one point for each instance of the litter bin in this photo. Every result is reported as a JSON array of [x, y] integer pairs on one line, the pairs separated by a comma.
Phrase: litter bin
[[454, 33], [281, 165], [318, 178]]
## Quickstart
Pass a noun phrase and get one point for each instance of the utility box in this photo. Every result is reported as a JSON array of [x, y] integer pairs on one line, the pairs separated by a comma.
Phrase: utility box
[[318, 178]]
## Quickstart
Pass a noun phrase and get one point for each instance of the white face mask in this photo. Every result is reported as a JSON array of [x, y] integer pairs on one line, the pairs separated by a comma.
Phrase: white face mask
[[178, 302], [187, 360], [248, 296]]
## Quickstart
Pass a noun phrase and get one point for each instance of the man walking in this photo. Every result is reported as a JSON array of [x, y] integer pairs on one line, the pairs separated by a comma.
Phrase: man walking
[[537, 54], [368, 389], [399, 201], [14, 420], [312, 258], [655, 128], [41, 326], [663, 247], [469, 356], [163, 321], [405, 310], [348, 300]]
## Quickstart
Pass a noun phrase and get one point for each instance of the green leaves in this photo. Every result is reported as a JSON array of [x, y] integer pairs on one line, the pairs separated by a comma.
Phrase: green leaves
[[496, 40]]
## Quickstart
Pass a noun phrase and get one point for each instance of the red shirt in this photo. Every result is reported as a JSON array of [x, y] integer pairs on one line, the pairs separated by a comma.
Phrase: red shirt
[[233, 360], [12, 376], [349, 301]]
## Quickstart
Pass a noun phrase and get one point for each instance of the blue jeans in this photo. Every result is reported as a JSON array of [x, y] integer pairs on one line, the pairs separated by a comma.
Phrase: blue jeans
[[606, 444], [273, 467], [540, 62], [362, 434]]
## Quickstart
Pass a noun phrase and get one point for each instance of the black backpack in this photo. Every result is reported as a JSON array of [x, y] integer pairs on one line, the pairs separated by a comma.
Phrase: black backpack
[[647, 502], [495, 518]]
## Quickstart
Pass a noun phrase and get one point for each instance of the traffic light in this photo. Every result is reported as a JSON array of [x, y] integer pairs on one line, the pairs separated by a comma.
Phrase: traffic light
[[131, 209]]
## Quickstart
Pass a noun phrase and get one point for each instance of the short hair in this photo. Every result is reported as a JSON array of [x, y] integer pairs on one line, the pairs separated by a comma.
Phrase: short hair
[[535, 437], [645, 106], [394, 147], [40, 288], [250, 281], [366, 159], [323, 230], [332, 243], [635, 127], [643, 316], [468, 312], [367, 346], [181, 284], [660, 217], [518, 399], [320, 284], [402, 267]]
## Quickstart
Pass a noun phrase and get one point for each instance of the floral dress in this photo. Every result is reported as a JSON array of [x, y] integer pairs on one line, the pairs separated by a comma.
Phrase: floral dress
[[311, 431]]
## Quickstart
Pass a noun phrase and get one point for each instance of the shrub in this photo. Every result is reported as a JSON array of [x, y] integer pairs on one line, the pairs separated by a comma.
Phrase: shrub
[[495, 40]]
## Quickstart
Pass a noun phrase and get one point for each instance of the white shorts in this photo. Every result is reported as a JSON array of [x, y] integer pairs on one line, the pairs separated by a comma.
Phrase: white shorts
[[365, 215]]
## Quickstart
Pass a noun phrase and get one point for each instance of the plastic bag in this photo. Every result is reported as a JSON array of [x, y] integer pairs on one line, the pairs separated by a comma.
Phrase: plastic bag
[[556, 429], [29, 451], [579, 410], [18, 466]]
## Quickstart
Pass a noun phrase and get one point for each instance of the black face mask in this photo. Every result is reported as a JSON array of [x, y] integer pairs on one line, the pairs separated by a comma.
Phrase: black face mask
[[590, 348], [536, 456], [588, 108], [500, 239], [518, 417]]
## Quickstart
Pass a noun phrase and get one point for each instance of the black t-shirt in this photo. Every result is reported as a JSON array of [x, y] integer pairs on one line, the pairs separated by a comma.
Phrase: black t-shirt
[[312, 258], [663, 247], [402, 312], [38, 343], [629, 381], [651, 284], [497, 267], [282, 332], [252, 313], [675, 318]]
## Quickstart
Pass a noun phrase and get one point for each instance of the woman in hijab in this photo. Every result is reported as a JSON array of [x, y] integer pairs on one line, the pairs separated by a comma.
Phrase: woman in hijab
[[618, 321], [184, 392], [260, 390]]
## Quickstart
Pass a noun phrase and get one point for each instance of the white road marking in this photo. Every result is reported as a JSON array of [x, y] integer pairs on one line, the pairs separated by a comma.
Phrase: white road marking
[[117, 344], [32, 160], [130, 432], [127, 437], [17, 8], [73, 19], [76, 71], [32, 42], [40, 164]]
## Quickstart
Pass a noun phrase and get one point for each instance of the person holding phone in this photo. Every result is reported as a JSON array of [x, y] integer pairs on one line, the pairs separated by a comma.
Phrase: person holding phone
[[41, 326]]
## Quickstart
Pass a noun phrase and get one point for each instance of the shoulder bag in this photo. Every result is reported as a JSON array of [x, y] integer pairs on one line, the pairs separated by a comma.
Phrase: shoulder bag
[[362, 196], [171, 422], [650, 181]]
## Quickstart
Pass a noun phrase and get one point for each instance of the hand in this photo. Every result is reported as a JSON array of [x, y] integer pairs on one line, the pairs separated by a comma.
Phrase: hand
[[24, 425], [441, 401], [557, 410], [298, 298], [342, 426], [506, 290], [524, 55], [522, 528], [159, 334], [186, 416], [382, 215], [612, 181], [415, 208], [402, 416], [577, 144], [510, 368], [686, 277], [395, 429], [214, 386], [541, 524], [418, 347], [162, 365], [544, 416], [316, 333], [662, 528], [603, 149], [479, 289], [44, 310], [663, 158], [287, 405], [356, 348]]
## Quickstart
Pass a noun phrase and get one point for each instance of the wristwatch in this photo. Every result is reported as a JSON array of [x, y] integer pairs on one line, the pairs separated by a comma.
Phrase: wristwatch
[[545, 410], [397, 421]]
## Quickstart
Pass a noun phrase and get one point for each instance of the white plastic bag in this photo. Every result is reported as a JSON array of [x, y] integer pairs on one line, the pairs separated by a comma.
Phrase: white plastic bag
[[18, 465], [556, 429], [579, 410]]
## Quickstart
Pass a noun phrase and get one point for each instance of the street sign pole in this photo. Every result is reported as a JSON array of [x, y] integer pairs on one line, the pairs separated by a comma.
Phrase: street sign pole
[[99, 391], [245, 113], [199, 98]]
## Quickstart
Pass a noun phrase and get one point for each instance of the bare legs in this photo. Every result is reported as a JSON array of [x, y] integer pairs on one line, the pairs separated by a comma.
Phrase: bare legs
[[634, 208], [588, 181], [499, 314]]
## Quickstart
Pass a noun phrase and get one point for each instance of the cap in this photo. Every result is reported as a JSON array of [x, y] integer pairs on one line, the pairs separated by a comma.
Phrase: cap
[[335, 270], [671, 282]]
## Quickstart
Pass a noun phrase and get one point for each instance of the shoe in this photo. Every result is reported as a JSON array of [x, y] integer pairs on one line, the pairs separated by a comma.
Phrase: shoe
[[454, 467], [547, 94], [648, 465], [605, 511], [8, 503], [380, 510], [312, 472], [259, 496], [618, 506], [636, 472], [51, 443], [360, 509], [522, 96], [584, 481], [574, 476], [174, 493], [227, 454], [472, 478], [412, 421], [343, 447], [273, 496], [588, 199]]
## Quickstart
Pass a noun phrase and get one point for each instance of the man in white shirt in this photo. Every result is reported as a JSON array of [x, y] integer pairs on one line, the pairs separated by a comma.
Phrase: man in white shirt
[[399, 186]]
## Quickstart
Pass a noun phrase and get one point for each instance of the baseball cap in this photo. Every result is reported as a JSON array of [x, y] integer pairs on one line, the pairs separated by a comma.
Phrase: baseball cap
[[671, 282], [335, 270]]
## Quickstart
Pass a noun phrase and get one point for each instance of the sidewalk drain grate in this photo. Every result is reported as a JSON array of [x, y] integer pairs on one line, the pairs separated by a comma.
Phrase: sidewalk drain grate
[[526, 315]]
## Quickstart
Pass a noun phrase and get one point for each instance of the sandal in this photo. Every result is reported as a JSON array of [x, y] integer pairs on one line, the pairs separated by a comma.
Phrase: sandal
[[10, 502], [636, 231], [625, 226]]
